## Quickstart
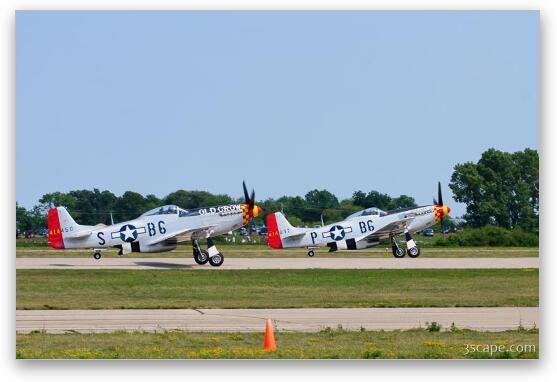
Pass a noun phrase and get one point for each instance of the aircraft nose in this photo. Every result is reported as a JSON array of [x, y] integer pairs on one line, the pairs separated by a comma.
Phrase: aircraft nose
[[257, 210]]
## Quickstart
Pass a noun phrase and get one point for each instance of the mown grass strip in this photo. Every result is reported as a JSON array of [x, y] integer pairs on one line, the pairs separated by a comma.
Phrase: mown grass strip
[[122, 289], [415, 344]]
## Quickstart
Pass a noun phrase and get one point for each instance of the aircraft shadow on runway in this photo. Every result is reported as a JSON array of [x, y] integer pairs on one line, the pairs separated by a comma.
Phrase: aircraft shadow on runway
[[158, 264]]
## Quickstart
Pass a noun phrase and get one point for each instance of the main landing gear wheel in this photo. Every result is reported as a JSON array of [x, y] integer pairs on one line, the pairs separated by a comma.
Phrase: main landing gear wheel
[[216, 260], [398, 252], [97, 255], [413, 252], [311, 253], [201, 257]]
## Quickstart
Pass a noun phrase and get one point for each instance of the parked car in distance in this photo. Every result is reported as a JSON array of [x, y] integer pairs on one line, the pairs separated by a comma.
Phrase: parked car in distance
[[43, 232], [428, 232], [446, 230], [263, 231], [243, 231]]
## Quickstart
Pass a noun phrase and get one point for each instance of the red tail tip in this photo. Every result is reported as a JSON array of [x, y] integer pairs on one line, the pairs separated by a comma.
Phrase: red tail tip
[[55, 239], [273, 235]]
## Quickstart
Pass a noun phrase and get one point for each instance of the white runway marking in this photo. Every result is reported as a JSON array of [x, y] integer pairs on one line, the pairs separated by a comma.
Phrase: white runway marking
[[248, 320], [278, 263]]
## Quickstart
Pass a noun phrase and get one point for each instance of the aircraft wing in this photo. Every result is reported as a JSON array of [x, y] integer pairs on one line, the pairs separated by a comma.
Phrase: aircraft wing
[[184, 235], [394, 228]]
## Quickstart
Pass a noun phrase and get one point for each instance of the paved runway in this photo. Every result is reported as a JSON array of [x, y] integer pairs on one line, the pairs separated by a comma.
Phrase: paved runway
[[248, 320], [278, 263]]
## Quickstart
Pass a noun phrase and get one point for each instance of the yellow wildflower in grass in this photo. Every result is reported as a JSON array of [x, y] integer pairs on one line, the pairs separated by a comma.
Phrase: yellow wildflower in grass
[[207, 353], [79, 353], [435, 344], [154, 352]]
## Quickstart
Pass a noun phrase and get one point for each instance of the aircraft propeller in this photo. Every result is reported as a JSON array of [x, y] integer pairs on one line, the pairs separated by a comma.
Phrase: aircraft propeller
[[440, 208], [252, 209], [439, 195], [250, 200]]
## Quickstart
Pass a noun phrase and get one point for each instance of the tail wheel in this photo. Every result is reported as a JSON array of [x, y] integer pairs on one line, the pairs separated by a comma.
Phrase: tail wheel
[[311, 253], [398, 252], [413, 252], [201, 257], [216, 260], [97, 255]]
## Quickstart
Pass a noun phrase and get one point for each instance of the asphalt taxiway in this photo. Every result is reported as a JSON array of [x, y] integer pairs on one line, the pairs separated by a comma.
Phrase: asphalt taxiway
[[278, 263], [248, 320]]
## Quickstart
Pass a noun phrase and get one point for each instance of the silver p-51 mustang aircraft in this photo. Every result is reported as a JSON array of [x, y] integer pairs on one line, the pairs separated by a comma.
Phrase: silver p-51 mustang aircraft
[[157, 230], [360, 230]]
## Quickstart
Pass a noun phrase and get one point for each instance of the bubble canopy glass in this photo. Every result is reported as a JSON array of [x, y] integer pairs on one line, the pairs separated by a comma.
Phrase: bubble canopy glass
[[170, 209], [367, 212]]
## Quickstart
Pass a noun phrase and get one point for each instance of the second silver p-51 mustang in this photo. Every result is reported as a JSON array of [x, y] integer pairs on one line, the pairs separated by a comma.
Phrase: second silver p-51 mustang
[[360, 230]]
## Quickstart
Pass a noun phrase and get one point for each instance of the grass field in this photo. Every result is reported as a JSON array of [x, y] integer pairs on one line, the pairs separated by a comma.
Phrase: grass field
[[259, 250], [121, 289], [417, 344]]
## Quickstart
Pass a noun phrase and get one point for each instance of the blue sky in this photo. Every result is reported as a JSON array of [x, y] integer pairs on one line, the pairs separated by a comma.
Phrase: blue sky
[[289, 101]]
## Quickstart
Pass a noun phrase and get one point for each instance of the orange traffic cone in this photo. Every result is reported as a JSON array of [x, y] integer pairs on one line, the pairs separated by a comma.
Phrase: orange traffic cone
[[269, 343]]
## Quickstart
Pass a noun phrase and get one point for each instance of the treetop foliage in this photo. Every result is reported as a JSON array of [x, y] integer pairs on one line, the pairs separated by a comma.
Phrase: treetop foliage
[[500, 189]]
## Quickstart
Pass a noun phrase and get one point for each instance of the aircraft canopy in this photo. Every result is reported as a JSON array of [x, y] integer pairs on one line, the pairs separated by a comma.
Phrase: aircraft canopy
[[170, 209], [367, 212]]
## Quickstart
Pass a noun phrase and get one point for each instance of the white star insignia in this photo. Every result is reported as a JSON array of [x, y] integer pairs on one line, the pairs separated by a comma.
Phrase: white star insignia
[[336, 233], [128, 233]]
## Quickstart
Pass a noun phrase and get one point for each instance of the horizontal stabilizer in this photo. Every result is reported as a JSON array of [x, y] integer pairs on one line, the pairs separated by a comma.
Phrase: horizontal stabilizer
[[279, 229], [78, 235], [61, 226], [292, 236]]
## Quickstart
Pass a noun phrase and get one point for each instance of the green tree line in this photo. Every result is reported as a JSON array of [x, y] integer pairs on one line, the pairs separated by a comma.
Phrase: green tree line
[[501, 189], [93, 207]]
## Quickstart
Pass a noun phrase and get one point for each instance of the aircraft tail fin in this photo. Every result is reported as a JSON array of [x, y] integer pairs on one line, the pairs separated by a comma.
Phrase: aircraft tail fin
[[60, 223], [278, 228]]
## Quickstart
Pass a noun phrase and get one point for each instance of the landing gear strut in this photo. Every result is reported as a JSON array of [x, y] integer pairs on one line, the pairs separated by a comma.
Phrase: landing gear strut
[[199, 255], [398, 252]]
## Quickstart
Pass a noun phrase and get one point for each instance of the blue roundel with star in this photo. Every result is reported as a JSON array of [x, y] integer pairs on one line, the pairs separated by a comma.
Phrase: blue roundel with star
[[128, 233], [337, 232]]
